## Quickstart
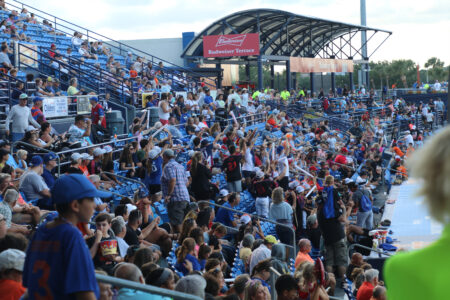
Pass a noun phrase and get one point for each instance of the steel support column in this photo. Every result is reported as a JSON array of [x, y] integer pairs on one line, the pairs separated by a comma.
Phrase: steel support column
[[294, 84], [247, 71], [260, 73], [219, 77], [272, 76], [333, 82], [311, 79], [288, 75], [350, 82]]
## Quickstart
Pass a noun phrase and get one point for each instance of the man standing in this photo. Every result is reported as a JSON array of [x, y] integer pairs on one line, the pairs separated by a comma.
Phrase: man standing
[[97, 112], [58, 264], [174, 188], [20, 117], [362, 199], [232, 167], [36, 110]]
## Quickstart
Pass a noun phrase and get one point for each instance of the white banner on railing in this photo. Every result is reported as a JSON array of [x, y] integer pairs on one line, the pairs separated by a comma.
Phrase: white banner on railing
[[55, 107]]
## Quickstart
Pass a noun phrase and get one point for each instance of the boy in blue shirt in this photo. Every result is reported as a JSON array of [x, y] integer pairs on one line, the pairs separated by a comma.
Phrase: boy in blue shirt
[[58, 264]]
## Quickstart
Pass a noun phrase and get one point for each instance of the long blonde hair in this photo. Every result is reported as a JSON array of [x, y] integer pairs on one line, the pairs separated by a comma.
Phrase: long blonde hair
[[196, 159]]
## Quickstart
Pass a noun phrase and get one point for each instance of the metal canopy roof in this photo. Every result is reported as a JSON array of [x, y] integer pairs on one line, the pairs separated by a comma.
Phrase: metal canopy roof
[[287, 34]]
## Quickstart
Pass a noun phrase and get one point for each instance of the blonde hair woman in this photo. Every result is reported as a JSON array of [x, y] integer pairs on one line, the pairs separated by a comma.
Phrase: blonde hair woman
[[281, 212], [423, 274]]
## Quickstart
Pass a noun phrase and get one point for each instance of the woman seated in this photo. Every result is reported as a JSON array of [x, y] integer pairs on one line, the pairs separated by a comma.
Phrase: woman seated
[[186, 260], [32, 137]]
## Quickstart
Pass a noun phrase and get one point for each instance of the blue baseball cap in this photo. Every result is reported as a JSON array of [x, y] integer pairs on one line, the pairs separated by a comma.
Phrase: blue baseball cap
[[279, 149], [93, 99], [49, 156], [35, 99], [36, 161], [72, 187]]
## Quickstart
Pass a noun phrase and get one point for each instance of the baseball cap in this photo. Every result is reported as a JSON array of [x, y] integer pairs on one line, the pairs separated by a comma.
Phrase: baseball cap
[[348, 180], [23, 96], [169, 153], [312, 168], [35, 99], [73, 187], [245, 219], [259, 174], [271, 239], [86, 156], [154, 152], [93, 99], [108, 149], [223, 193], [299, 189], [36, 161], [49, 156], [344, 150], [191, 153], [293, 184], [30, 128], [279, 149], [12, 259], [75, 156], [99, 151]]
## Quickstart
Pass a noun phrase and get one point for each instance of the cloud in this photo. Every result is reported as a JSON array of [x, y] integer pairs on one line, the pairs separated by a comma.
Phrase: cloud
[[420, 30]]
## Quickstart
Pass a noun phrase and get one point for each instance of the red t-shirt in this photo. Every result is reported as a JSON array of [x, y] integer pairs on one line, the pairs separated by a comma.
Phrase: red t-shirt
[[97, 112], [365, 291], [11, 290]]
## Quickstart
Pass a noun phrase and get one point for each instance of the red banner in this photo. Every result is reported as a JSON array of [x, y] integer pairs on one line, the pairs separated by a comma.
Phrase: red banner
[[231, 45], [318, 65]]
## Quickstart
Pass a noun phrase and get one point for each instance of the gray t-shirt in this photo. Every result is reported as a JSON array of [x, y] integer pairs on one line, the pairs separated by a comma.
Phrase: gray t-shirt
[[31, 184], [281, 211], [4, 58]]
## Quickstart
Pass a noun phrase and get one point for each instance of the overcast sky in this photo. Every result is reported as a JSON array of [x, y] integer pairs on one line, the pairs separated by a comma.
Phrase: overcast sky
[[421, 29]]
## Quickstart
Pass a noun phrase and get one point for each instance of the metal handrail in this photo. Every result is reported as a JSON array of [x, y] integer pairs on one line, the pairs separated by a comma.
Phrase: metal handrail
[[260, 218], [125, 178], [117, 282], [380, 252], [106, 40]]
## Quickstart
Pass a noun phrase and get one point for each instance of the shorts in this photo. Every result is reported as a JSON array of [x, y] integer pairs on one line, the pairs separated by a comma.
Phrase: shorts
[[164, 122], [336, 254], [234, 186], [176, 211], [154, 188]]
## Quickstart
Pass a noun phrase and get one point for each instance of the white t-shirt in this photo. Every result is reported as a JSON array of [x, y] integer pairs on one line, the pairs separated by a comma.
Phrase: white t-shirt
[[429, 117], [248, 164], [282, 163], [161, 114], [409, 139]]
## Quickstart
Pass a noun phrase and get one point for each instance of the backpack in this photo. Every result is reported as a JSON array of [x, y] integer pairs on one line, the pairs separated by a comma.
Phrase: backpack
[[365, 204]]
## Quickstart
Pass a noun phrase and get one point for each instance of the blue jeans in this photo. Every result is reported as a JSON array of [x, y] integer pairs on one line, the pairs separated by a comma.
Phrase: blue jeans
[[365, 219], [17, 136], [262, 206]]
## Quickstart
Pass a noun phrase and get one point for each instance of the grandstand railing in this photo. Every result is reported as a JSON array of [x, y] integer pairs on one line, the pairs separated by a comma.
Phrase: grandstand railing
[[380, 252], [68, 28], [293, 246], [83, 149], [125, 178], [117, 282]]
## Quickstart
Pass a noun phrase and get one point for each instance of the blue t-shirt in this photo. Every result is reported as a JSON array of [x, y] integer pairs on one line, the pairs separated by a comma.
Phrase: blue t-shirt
[[58, 264], [195, 265], [208, 99], [155, 176], [12, 162], [225, 216], [48, 178]]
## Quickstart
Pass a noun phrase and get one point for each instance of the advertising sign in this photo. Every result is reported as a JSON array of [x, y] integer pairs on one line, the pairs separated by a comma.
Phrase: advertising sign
[[231, 45], [55, 107], [319, 65]]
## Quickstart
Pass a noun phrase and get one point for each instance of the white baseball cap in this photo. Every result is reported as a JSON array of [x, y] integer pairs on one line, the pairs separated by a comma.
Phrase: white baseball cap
[[86, 156], [299, 189], [154, 152], [223, 193], [12, 259], [99, 151], [108, 149], [75, 156], [245, 219]]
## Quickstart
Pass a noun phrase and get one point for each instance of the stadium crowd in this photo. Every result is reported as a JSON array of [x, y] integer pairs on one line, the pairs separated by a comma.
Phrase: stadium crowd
[[297, 172], [211, 174]]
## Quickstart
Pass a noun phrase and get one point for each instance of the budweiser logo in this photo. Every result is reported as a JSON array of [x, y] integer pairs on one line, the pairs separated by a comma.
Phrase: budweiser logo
[[234, 41]]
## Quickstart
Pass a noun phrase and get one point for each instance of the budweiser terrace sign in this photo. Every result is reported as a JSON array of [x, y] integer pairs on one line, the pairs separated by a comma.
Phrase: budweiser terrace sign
[[231, 45]]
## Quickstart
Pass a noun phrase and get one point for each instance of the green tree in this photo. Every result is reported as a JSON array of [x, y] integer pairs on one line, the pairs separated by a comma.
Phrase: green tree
[[436, 69]]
